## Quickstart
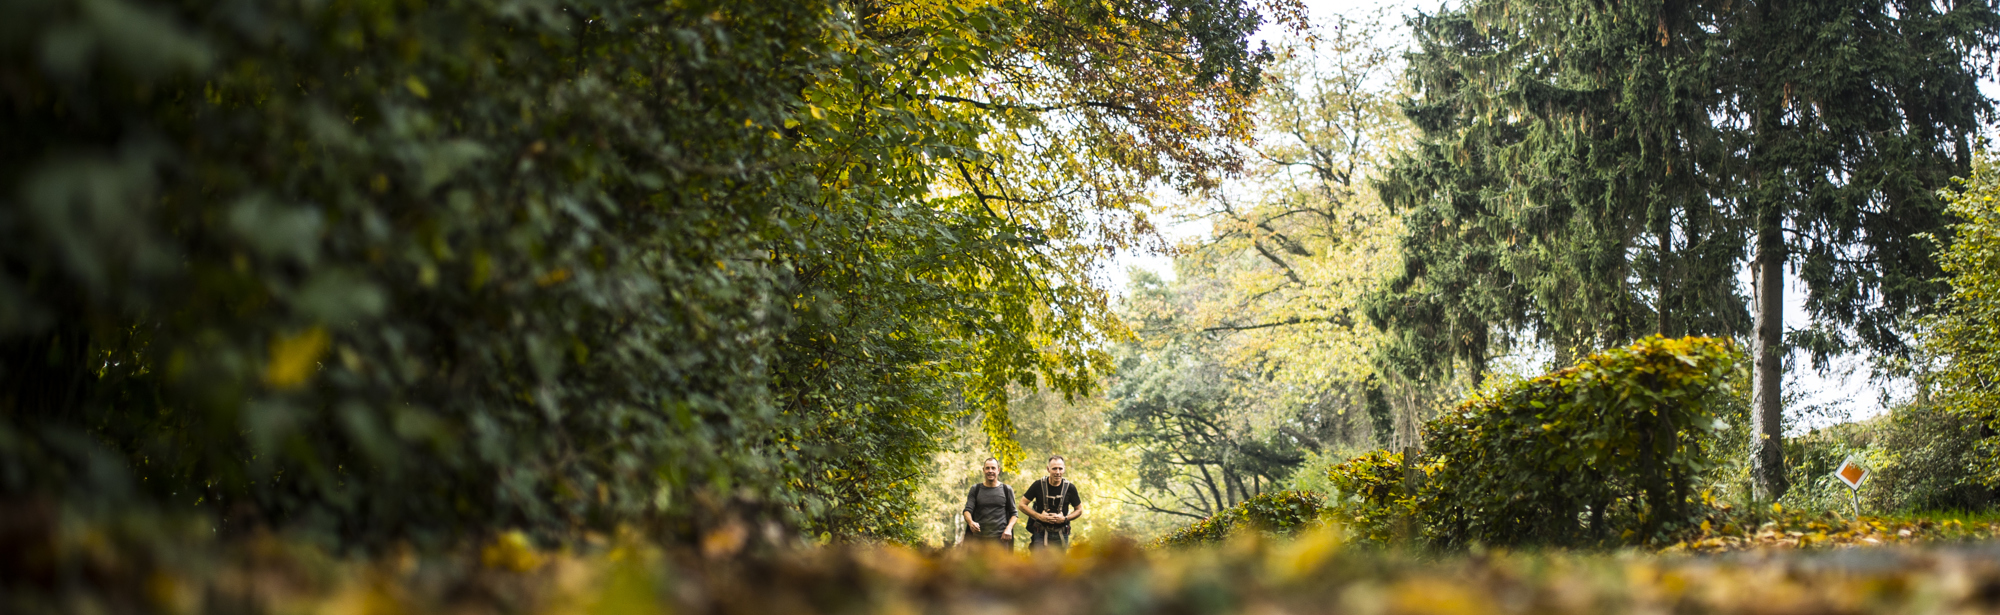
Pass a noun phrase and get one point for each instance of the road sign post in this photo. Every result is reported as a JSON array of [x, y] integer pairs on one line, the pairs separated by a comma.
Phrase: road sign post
[[1852, 473]]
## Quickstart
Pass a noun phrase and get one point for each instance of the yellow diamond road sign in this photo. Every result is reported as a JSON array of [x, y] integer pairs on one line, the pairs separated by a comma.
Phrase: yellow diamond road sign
[[1851, 473]]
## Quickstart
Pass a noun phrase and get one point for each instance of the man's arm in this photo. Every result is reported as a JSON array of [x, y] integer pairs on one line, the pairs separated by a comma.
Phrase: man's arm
[[1023, 505], [967, 513], [1075, 506]]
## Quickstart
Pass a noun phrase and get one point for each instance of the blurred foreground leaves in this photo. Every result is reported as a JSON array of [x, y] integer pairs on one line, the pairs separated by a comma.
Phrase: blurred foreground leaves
[[112, 568]]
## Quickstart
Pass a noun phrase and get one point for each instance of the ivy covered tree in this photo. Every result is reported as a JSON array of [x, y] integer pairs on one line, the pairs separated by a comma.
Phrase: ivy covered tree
[[1592, 173], [419, 270]]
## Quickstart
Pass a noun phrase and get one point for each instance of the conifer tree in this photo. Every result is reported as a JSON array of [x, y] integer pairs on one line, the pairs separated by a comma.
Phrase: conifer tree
[[1592, 173]]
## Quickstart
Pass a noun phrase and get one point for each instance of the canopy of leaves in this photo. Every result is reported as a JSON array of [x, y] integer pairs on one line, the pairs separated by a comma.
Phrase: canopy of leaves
[[416, 269]]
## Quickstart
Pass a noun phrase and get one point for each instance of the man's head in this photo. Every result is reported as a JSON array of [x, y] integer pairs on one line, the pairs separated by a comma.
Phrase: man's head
[[1056, 469], [992, 469]]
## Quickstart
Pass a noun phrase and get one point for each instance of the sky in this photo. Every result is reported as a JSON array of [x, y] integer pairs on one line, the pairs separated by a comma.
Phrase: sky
[[1844, 392]]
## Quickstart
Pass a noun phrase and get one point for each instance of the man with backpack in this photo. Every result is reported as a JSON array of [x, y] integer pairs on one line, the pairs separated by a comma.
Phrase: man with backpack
[[988, 513], [1051, 504]]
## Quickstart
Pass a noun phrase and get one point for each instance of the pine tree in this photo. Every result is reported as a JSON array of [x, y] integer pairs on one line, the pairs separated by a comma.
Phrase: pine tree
[[1588, 167]]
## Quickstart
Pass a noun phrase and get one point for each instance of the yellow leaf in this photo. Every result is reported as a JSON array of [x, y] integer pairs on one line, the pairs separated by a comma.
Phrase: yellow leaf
[[295, 357], [510, 551], [552, 278], [417, 87]]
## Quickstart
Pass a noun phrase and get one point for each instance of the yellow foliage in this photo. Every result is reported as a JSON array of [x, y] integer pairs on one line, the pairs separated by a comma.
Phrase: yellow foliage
[[510, 551], [295, 357]]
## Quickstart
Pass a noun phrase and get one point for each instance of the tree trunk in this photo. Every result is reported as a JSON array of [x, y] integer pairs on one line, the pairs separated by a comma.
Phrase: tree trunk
[[1767, 439], [1209, 480], [1666, 289]]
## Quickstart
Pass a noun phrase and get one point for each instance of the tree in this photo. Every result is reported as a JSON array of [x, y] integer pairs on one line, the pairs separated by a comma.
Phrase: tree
[[1590, 173], [419, 270], [1253, 356], [1303, 237], [1202, 440], [1962, 338], [1841, 156]]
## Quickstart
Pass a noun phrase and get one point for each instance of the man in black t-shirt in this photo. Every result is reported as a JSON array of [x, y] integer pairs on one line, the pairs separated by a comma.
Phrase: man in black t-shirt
[[988, 514], [1051, 504]]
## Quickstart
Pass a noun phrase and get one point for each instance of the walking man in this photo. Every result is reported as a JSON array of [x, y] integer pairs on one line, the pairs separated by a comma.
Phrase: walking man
[[1051, 504], [988, 515]]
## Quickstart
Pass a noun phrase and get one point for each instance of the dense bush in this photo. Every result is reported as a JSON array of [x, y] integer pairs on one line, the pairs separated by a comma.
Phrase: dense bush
[[1930, 462], [1965, 337], [1609, 450], [1606, 450], [1811, 459], [1921, 459], [1277, 512], [416, 269], [391, 269], [1372, 496]]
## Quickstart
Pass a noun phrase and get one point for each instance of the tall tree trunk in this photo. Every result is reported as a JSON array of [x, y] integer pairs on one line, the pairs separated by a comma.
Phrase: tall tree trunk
[[1767, 439], [1666, 290]]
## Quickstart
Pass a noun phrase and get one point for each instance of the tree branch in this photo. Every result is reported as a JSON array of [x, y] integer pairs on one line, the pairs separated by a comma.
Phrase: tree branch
[[1342, 320], [993, 106]]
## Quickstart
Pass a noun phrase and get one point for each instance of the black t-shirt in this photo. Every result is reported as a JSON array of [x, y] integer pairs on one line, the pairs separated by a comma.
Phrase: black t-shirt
[[1053, 499], [991, 507]]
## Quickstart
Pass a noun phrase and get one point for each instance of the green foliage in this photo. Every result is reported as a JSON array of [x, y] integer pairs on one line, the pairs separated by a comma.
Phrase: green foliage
[[1607, 450], [1277, 512], [1249, 361], [399, 269], [1812, 457], [411, 270], [1610, 450], [1964, 338], [1920, 458], [1203, 442], [1930, 462], [1371, 495], [1591, 172]]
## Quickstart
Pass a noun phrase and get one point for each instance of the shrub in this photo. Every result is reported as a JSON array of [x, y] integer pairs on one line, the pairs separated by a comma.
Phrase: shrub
[[1369, 495], [1922, 458], [1812, 458], [1277, 512], [1965, 336], [1607, 450], [1929, 462]]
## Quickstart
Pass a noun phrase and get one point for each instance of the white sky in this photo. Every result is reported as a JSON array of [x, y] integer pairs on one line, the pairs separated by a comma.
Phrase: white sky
[[1821, 399]]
